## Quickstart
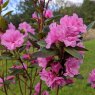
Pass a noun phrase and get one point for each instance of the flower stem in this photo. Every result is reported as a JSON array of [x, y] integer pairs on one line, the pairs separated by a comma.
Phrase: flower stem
[[57, 93], [20, 85]]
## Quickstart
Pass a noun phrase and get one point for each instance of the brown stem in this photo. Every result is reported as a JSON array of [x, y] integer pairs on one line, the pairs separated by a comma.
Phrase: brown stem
[[40, 87], [20, 85], [5, 87], [57, 93]]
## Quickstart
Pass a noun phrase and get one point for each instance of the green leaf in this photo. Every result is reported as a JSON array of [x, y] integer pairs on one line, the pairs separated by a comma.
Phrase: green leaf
[[90, 25], [48, 21], [33, 66], [3, 23], [31, 36], [5, 4], [34, 43], [22, 48], [8, 13], [16, 71], [73, 52], [41, 43], [44, 53], [6, 54], [7, 58], [80, 48]]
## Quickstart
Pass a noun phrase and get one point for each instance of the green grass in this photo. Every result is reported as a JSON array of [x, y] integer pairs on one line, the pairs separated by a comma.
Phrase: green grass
[[80, 86]]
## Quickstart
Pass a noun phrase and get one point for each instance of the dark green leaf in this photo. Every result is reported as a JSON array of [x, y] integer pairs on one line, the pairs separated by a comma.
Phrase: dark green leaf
[[44, 53], [8, 13], [16, 71], [3, 23], [6, 54], [21, 49], [81, 49], [5, 4], [73, 52], [34, 43], [48, 21], [31, 36], [34, 66], [42, 43]]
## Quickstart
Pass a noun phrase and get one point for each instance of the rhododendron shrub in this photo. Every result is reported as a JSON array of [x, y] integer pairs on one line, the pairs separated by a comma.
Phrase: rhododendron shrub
[[45, 55]]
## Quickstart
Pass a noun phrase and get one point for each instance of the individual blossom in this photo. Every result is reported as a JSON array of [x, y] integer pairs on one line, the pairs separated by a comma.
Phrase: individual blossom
[[73, 23], [45, 93], [11, 26], [11, 79], [56, 67], [69, 81], [37, 88], [26, 56], [72, 67], [27, 28], [24, 66], [91, 78], [52, 35], [43, 62], [51, 79], [48, 13], [1, 82], [59, 33], [34, 15], [28, 45], [12, 39]]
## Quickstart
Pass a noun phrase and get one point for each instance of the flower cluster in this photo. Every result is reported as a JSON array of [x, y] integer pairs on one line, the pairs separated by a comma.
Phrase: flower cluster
[[91, 78], [67, 32], [13, 38]]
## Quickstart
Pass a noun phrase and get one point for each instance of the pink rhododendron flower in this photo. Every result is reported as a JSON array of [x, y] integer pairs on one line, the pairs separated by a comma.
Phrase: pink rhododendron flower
[[28, 45], [37, 88], [69, 81], [73, 23], [91, 78], [58, 33], [11, 26], [20, 66], [11, 79], [67, 32], [27, 28], [1, 82], [45, 93], [56, 67], [42, 62], [34, 15], [12, 39], [72, 67], [57, 81], [48, 13], [51, 37], [26, 56], [51, 79]]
